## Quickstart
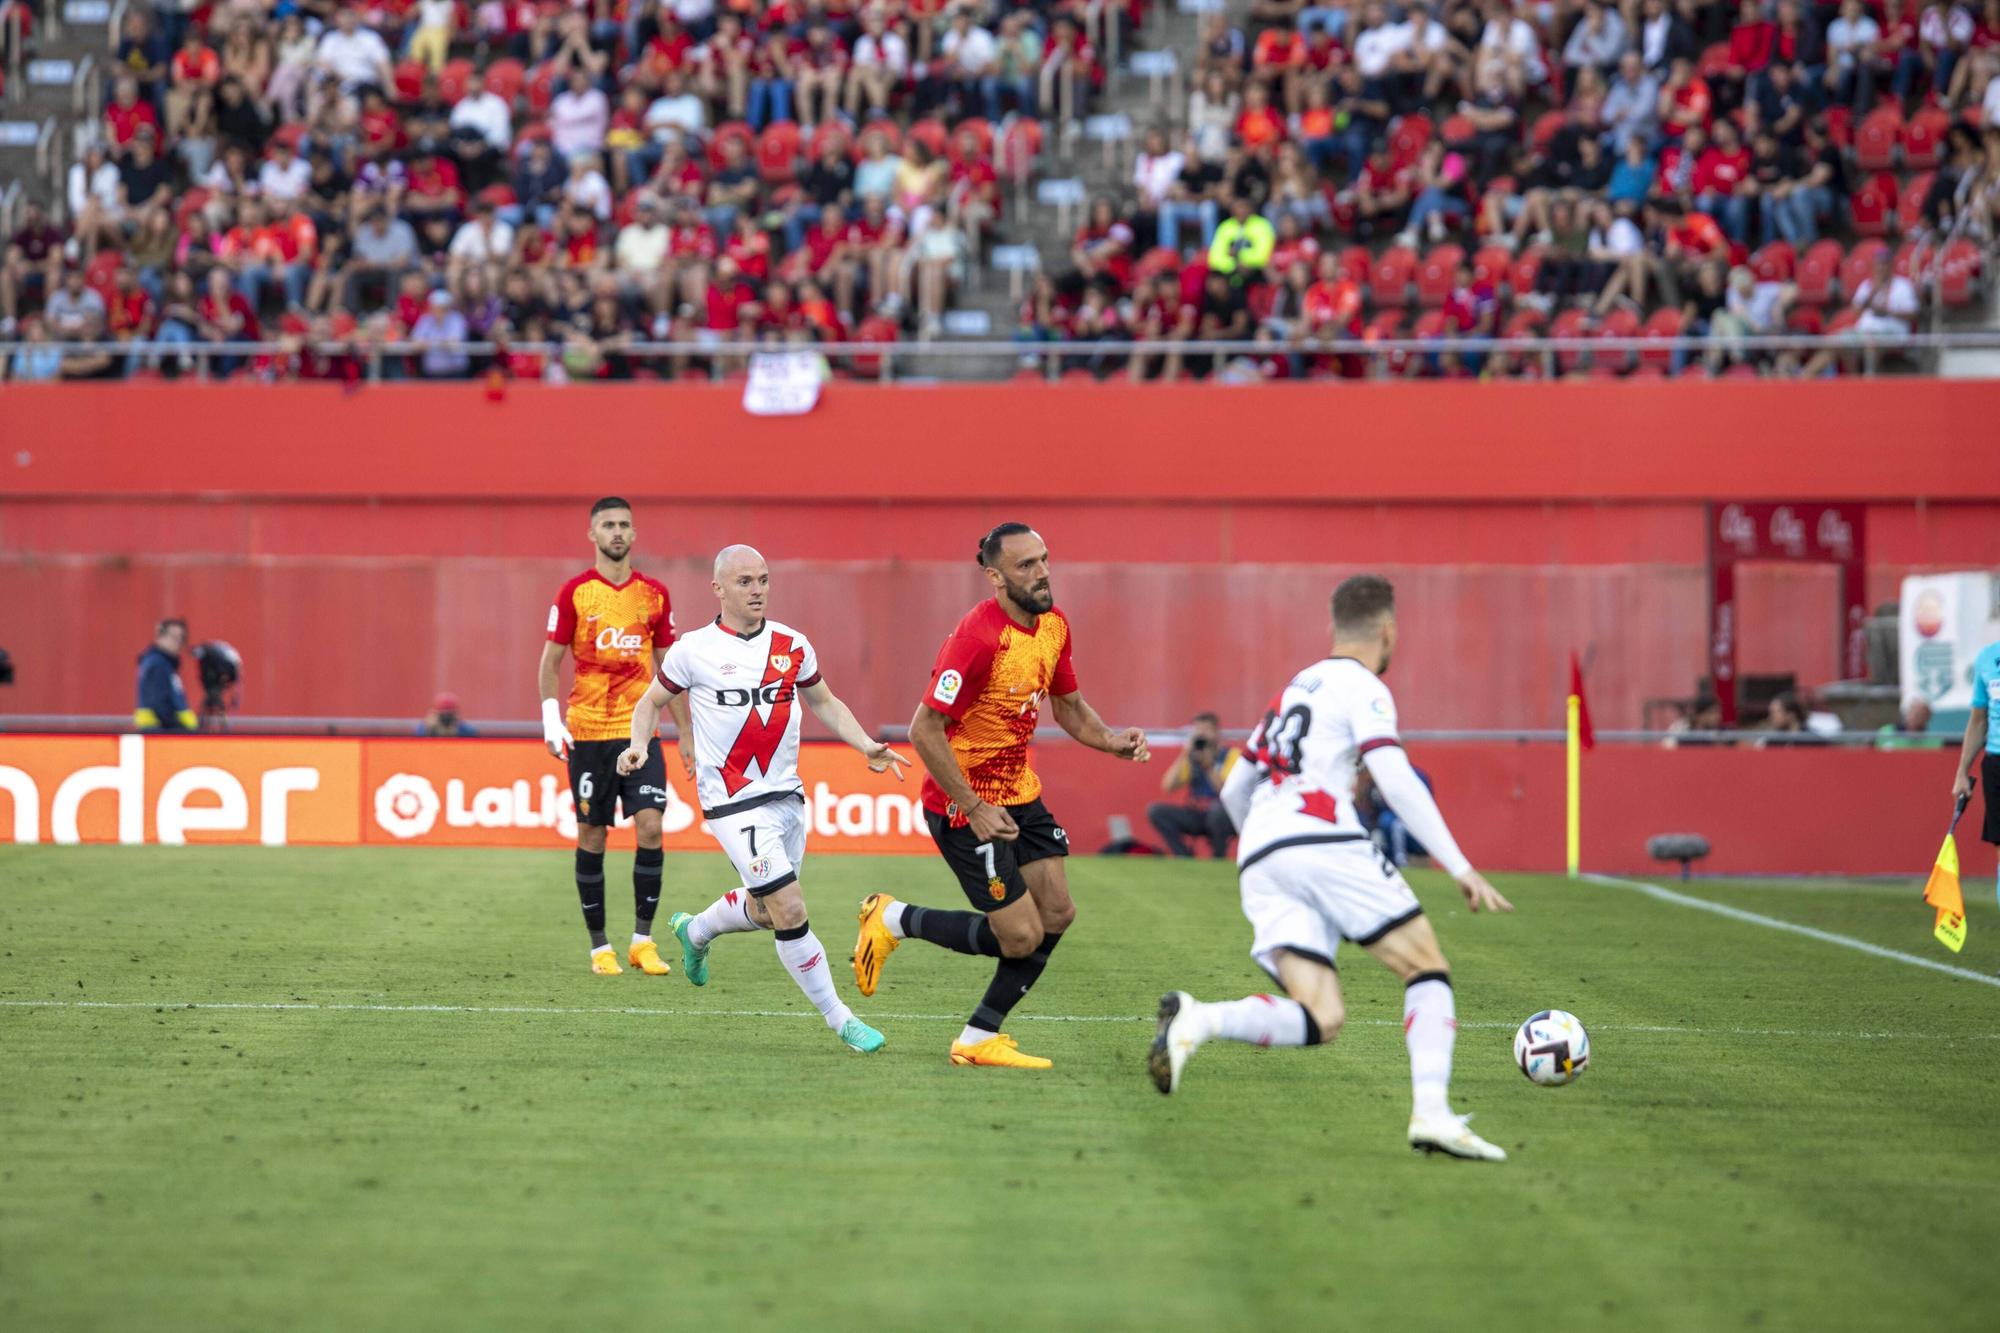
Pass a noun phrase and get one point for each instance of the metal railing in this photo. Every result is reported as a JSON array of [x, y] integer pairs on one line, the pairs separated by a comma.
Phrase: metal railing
[[1387, 357]]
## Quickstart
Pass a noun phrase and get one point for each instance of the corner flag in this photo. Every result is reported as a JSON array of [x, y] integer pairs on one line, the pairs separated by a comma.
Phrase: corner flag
[[1584, 735], [1942, 891], [1580, 738]]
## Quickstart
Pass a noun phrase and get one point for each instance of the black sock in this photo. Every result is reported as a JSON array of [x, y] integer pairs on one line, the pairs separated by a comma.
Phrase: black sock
[[965, 932], [1011, 981], [646, 888], [590, 891]]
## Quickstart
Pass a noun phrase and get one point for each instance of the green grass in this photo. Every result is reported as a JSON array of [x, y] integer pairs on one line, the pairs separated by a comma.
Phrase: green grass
[[1776, 1133]]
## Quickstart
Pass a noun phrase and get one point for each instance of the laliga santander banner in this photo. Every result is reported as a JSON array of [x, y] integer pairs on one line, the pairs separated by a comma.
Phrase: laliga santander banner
[[175, 790]]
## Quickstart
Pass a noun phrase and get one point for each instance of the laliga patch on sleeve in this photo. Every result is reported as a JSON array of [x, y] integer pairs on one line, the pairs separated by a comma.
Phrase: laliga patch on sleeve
[[1381, 707], [554, 616], [948, 685]]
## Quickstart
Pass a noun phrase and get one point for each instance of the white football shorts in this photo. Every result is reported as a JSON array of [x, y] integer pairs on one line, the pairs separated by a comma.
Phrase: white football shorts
[[1309, 898], [766, 843]]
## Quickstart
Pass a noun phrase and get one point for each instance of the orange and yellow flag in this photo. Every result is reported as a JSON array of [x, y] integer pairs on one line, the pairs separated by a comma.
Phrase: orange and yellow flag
[[1942, 892]]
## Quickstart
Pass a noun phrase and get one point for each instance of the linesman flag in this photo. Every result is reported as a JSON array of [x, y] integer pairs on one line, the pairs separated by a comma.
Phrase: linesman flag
[[1942, 892]]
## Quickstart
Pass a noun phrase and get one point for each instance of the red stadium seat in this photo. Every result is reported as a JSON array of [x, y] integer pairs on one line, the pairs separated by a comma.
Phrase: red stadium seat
[[1910, 208], [1430, 324], [1859, 262], [778, 152], [1806, 319], [1161, 259], [1525, 323], [1874, 204], [1839, 122], [978, 126], [407, 81], [931, 134], [1620, 323], [292, 132], [1457, 128], [1356, 264], [500, 194], [505, 78], [1663, 324], [1547, 126], [1570, 324], [1923, 137], [730, 129], [829, 131], [1390, 278], [1818, 268], [1875, 142], [452, 79], [542, 89], [1959, 269], [1387, 324], [1438, 273], [1494, 266], [1845, 319], [1775, 262], [1528, 268], [1409, 138], [1714, 59], [1913, 259], [1020, 146]]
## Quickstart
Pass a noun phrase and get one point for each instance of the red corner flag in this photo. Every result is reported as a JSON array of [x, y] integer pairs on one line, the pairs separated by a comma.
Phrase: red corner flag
[[1584, 734]]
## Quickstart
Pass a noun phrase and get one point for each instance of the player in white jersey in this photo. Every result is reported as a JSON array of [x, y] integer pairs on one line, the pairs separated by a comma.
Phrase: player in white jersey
[[741, 674], [1310, 878]]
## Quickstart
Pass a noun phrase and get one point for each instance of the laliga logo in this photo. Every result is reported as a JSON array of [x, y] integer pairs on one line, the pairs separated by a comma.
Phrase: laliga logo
[[1736, 528], [1787, 531], [614, 636], [1835, 533], [406, 806]]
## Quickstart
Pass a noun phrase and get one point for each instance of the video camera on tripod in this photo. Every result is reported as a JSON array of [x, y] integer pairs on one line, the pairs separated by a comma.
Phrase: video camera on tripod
[[221, 668]]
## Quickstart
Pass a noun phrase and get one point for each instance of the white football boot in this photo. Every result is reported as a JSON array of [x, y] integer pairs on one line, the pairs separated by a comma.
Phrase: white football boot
[[1448, 1134], [1174, 1040]]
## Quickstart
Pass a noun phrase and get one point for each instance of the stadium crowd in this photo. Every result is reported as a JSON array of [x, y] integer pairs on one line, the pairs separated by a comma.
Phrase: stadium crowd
[[416, 173], [587, 174], [1481, 169]]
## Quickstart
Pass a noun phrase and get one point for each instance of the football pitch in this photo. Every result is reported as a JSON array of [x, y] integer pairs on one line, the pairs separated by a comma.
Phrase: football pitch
[[376, 1089]]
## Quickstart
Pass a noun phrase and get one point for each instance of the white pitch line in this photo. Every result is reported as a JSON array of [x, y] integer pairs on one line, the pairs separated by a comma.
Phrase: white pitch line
[[1810, 932], [564, 1012]]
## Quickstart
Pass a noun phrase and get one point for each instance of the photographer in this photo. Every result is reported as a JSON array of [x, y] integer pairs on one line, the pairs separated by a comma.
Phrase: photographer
[[443, 719], [1197, 776], [162, 703]]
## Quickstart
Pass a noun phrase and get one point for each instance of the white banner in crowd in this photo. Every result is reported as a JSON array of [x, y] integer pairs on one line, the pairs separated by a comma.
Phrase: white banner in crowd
[[783, 384], [1945, 619]]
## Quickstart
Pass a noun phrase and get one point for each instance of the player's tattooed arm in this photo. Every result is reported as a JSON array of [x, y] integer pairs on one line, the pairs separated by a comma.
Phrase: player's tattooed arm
[[1075, 715], [933, 746]]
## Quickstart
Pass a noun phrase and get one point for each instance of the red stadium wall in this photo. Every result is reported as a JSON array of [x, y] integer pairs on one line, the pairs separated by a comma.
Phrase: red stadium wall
[[364, 550]]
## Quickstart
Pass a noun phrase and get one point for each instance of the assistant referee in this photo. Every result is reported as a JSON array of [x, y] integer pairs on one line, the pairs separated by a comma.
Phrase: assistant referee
[[1981, 742]]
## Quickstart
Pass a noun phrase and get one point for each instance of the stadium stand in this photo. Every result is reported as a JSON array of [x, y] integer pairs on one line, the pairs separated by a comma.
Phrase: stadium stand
[[572, 178]]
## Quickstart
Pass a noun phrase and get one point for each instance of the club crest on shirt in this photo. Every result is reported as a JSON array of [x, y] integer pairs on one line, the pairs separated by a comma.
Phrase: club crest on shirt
[[760, 868], [997, 889], [781, 662]]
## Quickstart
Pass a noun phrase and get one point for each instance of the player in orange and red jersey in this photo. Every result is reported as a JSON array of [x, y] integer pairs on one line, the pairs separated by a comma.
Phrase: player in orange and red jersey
[[983, 800], [617, 623]]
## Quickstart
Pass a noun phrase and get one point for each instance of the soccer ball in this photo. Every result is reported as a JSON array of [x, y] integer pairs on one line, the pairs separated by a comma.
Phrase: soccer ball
[[1552, 1048]]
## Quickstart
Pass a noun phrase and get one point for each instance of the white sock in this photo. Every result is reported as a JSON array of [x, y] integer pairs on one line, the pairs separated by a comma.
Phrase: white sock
[[1261, 1020], [972, 1036], [727, 915], [892, 917], [638, 939], [1430, 1027], [806, 961], [598, 949]]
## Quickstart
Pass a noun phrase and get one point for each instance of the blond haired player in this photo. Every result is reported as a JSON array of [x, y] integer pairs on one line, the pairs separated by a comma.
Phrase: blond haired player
[[616, 622], [739, 676]]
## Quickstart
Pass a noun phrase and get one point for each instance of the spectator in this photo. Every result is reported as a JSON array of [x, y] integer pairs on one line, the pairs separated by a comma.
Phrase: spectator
[[161, 702], [1212, 112], [579, 116], [32, 265], [1242, 244], [443, 719], [441, 324], [1386, 828], [35, 360], [384, 247], [1912, 728], [1197, 778], [430, 40], [484, 113], [192, 76], [1598, 39], [1785, 723], [128, 117], [1850, 45], [1632, 107], [1019, 62], [972, 56], [1664, 37], [353, 57], [1886, 306]]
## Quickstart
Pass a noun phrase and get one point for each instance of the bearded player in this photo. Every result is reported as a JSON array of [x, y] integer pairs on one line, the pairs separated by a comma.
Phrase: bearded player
[[739, 675], [1310, 878], [617, 623], [983, 800]]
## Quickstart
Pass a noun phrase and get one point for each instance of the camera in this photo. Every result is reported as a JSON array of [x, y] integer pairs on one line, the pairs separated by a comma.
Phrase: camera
[[221, 668]]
